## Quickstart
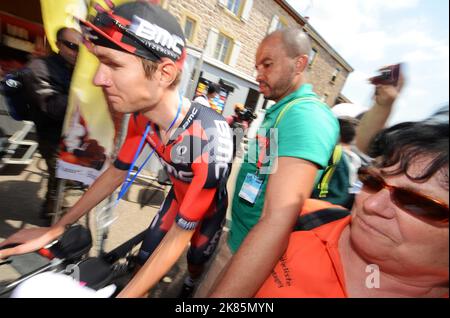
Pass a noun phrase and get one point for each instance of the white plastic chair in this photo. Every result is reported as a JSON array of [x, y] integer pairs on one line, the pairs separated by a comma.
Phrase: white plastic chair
[[17, 140]]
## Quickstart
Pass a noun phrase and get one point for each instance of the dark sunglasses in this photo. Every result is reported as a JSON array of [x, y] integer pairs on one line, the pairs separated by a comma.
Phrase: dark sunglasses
[[70, 45], [107, 21], [414, 203]]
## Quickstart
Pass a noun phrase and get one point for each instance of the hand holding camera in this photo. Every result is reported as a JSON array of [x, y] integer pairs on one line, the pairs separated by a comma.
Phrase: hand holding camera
[[246, 115], [389, 84], [389, 75]]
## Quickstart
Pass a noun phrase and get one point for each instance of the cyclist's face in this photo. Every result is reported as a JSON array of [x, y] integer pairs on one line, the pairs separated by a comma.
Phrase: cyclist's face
[[122, 78]]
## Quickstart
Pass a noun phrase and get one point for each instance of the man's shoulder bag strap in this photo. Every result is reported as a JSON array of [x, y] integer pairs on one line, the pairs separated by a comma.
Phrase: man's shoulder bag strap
[[324, 182], [313, 220]]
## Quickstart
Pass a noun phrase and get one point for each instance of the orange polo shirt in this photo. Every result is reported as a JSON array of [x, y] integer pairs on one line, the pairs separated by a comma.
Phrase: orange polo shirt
[[311, 266]]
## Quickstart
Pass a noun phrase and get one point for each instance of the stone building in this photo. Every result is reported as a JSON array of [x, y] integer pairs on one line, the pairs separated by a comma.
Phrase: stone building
[[223, 36]]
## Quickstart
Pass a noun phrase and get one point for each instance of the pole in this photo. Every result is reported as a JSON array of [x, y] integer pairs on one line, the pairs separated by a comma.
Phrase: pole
[[102, 233]]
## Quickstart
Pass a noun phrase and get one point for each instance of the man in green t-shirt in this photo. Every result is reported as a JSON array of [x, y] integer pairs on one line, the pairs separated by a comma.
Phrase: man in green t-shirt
[[285, 161]]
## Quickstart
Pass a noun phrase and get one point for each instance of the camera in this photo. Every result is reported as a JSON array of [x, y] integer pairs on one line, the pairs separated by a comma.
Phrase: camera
[[246, 115], [388, 75]]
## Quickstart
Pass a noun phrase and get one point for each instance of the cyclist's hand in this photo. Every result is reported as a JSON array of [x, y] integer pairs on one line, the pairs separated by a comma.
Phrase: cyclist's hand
[[27, 241]]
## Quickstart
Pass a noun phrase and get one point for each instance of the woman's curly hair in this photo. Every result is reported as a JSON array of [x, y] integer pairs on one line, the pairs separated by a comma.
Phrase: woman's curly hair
[[405, 143]]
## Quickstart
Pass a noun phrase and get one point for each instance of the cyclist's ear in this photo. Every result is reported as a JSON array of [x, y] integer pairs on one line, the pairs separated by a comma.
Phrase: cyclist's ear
[[168, 72]]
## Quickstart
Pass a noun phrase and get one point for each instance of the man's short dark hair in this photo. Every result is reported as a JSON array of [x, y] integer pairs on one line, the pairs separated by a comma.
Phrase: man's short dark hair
[[213, 88], [150, 68], [295, 41], [360, 116], [348, 129], [405, 143]]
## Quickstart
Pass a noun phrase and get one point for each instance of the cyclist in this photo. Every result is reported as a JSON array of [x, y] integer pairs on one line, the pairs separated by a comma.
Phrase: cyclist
[[141, 49]]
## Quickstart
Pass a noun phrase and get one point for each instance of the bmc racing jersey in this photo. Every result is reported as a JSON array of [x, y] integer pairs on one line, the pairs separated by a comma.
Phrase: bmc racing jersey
[[198, 160]]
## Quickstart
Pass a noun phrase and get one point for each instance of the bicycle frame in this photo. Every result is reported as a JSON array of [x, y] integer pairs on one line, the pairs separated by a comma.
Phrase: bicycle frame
[[105, 266]]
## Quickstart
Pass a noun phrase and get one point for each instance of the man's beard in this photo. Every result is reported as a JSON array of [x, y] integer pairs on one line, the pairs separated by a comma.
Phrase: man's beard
[[279, 89]]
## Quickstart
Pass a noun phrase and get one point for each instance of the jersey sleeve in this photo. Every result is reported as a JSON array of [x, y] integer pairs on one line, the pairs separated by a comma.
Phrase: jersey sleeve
[[129, 148]]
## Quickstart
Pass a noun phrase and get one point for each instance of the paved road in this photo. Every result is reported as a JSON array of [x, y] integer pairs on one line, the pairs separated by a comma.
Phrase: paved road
[[22, 191]]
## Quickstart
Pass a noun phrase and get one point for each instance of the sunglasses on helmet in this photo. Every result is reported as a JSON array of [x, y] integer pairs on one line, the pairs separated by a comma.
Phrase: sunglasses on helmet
[[109, 25], [412, 202]]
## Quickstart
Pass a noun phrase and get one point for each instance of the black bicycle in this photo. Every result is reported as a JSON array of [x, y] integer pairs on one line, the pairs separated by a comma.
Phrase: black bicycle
[[68, 255]]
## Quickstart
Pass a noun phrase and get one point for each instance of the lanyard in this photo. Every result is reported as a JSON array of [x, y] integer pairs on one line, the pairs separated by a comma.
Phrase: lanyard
[[262, 153], [104, 219], [265, 141], [128, 182]]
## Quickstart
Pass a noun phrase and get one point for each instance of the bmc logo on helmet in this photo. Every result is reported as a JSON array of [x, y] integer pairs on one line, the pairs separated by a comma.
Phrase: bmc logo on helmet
[[156, 34]]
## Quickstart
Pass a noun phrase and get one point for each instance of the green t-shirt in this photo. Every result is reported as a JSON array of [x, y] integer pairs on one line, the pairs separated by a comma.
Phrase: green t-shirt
[[308, 130]]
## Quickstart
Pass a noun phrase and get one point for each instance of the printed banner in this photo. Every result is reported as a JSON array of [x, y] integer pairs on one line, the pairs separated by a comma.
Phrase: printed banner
[[59, 13], [90, 128]]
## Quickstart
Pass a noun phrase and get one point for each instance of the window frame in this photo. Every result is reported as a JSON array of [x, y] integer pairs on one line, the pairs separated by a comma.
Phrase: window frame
[[313, 58], [335, 75], [191, 37], [282, 23], [229, 49], [240, 11], [186, 15]]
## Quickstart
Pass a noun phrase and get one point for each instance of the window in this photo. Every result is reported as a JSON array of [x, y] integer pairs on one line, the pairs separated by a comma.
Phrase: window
[[281, 24], [335, 75], [277, 23], [189, 28], [240, 9], [312, 56], [252, 99], [191, 23], [223, 48], [234, 6]]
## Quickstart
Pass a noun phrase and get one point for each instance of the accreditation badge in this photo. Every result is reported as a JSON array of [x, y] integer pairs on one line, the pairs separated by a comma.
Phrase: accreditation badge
[[251, 188]]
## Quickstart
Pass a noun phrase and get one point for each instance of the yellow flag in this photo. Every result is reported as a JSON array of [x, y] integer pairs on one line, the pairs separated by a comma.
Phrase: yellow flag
[[89, 133], [59, 13]]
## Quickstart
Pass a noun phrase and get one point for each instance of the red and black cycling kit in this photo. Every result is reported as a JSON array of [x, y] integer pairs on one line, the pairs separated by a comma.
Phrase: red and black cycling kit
[[198, 160]]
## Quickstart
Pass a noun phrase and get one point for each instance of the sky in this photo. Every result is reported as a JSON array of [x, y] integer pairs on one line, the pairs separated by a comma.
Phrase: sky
[[369, 34]]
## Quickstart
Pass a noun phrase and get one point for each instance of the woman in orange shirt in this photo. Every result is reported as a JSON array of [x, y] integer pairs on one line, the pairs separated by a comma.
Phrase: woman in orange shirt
[[395, 243]]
